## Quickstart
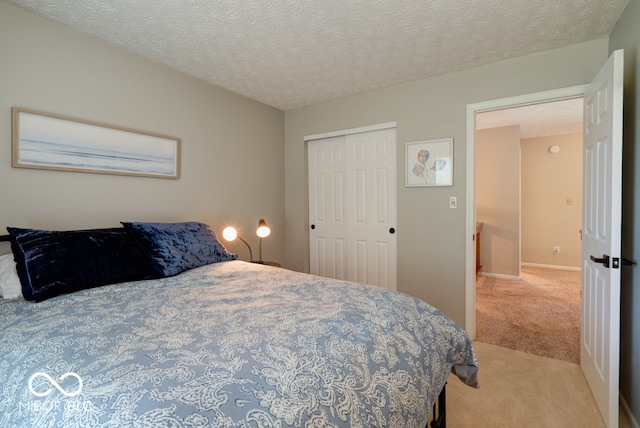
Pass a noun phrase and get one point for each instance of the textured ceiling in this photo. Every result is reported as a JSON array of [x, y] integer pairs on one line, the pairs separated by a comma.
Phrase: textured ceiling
[[292, 53], [537, 120]]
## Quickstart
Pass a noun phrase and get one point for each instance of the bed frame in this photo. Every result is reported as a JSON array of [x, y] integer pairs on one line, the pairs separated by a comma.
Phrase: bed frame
[[440, 410]]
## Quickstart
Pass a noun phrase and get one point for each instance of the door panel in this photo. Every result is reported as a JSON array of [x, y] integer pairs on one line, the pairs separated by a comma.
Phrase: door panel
[[600, 338], [382, 264], [327, 208], [371, 207]]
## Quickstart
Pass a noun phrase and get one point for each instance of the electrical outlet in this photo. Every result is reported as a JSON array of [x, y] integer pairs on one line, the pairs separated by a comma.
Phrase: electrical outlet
[[556, 250]]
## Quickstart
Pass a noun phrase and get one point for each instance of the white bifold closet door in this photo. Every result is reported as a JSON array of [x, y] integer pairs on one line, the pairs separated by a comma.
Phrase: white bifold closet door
[[352, 207]]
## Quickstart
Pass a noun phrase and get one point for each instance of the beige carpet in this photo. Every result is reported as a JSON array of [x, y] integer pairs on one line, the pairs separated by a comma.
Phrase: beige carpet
[[522, 390], [540, 314]]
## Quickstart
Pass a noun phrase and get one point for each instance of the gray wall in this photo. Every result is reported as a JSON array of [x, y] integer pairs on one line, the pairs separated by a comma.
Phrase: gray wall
[[626, 35], [232, 147], [427, 109]]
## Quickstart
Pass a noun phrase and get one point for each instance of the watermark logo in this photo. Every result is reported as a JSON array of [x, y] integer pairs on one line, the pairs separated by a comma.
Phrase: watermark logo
[[55, 384]]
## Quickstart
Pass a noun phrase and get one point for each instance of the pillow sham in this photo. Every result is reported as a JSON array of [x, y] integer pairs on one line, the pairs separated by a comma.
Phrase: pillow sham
[[9, 281], [50, 263], [176, 247]]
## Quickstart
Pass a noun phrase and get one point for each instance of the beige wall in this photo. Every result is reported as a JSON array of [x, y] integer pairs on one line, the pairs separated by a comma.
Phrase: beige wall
[[232, 147], [498, 199], [552, 201], [427, 109], [528, 199]]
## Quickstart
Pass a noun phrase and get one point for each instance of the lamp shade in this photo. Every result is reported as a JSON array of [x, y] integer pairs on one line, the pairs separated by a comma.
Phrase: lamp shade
[[263, 230], [230, 233]]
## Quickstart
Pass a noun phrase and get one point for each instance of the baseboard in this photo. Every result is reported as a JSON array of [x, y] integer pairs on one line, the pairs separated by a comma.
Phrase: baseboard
[[627, 412], [500, 276], [537, 265], [573, 268]]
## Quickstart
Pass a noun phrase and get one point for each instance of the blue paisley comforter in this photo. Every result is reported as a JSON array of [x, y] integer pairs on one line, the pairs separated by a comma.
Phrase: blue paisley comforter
[[231, 344]]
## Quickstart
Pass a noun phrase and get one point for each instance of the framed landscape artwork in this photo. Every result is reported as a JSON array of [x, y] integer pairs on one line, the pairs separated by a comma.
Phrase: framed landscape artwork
[[50, 141]]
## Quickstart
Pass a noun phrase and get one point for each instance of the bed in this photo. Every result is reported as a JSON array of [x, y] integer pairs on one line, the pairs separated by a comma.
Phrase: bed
[[213, 342]]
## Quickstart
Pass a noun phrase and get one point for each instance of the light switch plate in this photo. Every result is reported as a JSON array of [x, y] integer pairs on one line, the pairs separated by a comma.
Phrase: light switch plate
[[453, 202]]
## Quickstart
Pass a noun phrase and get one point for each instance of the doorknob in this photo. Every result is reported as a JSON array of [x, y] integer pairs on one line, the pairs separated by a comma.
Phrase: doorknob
[[604, 260], [392, 231]]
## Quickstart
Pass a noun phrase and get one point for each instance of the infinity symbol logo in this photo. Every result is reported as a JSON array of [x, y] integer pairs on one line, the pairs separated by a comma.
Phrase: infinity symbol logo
[[55, 384]]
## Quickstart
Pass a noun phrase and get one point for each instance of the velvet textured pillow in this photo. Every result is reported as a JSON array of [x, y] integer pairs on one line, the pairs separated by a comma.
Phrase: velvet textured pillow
[[50, 263], [176, 247]]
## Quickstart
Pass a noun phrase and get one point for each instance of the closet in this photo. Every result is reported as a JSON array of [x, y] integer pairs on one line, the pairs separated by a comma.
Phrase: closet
[[352, 205]]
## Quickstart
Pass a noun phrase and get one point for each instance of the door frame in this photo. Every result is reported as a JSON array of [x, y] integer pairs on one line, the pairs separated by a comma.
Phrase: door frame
[[470, 247], [350, 131]]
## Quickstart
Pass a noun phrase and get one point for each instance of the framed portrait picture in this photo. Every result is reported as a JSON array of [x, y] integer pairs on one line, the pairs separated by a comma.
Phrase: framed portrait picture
[[429, 163]]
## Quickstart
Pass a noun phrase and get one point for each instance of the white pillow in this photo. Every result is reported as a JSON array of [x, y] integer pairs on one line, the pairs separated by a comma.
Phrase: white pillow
[[9, 282]]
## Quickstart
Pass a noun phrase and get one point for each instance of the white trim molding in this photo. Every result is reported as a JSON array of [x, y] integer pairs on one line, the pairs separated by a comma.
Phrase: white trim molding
[[351, 131], [500, 276], [540, 265]]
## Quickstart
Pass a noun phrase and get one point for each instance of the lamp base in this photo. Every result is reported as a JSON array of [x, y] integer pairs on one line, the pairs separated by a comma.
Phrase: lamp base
[[275, 264], [261, 262]]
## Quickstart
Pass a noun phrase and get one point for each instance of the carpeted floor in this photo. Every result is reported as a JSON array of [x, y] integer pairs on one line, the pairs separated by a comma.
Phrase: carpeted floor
[[523, 390], [540, 314]]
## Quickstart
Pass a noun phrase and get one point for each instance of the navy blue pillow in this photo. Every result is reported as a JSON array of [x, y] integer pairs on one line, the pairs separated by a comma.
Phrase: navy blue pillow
[[176, 247], [50, 263]]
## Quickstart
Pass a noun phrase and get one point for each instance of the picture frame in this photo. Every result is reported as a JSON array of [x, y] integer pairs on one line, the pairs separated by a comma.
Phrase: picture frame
[[55, 142], [429, 163]]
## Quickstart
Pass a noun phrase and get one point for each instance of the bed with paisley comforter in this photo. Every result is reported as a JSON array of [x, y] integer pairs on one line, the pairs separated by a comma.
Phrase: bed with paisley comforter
[[221, 344]]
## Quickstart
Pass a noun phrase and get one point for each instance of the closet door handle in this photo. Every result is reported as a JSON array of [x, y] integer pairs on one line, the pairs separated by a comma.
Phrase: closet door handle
[[313, 226], [392, 231]]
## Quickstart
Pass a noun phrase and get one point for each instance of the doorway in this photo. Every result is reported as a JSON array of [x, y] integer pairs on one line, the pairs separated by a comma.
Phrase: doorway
[[529, 186], [602, 160], [472, 111], [529, 202]]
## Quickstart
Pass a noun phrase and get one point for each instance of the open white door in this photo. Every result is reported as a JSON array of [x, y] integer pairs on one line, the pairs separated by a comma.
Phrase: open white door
[[600, 336]]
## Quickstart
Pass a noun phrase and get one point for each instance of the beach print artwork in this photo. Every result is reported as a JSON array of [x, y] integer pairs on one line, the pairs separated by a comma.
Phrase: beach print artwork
[[429, 163], [54, 142]]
